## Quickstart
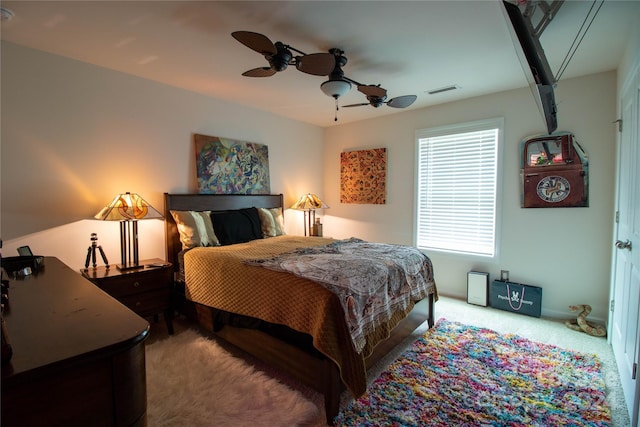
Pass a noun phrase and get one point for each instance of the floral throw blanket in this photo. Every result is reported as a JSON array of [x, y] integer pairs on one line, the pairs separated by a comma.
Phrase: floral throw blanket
[[372, 280]]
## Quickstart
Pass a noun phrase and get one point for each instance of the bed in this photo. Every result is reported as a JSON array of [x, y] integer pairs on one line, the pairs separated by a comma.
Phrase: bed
[[288, 321]]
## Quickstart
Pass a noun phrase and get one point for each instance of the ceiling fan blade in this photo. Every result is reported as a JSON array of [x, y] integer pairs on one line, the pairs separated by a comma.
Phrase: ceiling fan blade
[[260, 72], [317, 64], [256, 41], [356, 105], [402, 101], [373, 91]]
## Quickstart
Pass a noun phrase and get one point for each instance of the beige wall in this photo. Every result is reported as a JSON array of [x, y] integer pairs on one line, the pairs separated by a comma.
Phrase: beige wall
[[631, 58], [74, 135], [566, 251]]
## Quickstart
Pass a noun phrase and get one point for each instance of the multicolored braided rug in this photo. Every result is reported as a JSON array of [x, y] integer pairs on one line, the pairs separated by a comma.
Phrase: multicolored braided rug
[[460, 375]]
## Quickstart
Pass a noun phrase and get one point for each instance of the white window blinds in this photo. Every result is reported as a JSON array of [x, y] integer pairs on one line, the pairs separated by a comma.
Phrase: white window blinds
[[457, 181]]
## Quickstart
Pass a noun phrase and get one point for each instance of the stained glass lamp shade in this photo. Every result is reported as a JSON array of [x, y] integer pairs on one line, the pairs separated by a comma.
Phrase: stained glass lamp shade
[[309, 203], [128, 208]]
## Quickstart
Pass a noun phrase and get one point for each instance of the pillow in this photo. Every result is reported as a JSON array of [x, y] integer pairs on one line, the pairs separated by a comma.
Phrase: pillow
[[239, 226], [271, 222], [195, 229]]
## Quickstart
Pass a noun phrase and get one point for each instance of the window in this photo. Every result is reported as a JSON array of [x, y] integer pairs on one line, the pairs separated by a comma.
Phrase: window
[[456, 191]]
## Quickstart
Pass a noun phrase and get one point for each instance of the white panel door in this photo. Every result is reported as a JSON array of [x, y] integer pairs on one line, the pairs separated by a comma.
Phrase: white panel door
[[624, 325]]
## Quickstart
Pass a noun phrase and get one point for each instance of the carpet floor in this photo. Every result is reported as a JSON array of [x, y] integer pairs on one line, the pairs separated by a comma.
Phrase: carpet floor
[[459, 375], [542, 330], [193, 381]]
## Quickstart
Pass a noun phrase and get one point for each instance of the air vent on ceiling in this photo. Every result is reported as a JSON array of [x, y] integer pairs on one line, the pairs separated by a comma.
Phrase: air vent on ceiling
[[443, 89]]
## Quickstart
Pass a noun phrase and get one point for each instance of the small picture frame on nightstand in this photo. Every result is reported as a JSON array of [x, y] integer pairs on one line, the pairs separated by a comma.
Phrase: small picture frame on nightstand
[[25, 251], [504, 275]]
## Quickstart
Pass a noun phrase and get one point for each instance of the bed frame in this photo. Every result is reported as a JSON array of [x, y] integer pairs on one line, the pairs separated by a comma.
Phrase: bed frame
[[311, 368]]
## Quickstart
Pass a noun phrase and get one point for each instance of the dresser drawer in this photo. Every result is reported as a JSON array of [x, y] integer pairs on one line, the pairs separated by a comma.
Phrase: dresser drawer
[[147, 303], [130, 284]]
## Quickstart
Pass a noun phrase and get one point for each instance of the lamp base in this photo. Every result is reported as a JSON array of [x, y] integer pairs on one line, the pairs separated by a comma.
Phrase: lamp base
[[128, 246], [122, 267]]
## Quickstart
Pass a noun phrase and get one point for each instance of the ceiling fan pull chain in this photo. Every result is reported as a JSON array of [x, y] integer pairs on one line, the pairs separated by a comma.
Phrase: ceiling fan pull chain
[[335, 119]]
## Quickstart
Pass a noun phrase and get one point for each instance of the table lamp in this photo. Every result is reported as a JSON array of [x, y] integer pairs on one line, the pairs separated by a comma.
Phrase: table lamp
[[309, 203], [128, 208]]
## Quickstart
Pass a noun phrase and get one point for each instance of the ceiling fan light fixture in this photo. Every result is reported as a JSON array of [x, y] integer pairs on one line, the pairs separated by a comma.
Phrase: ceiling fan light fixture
[[6, 14], [335, 88]]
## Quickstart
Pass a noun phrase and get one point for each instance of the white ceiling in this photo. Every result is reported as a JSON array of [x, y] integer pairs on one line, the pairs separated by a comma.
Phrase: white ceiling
[[408, 47]]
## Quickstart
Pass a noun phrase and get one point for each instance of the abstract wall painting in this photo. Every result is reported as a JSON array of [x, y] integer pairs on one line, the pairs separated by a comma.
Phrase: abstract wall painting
[[363, 176], [227, 166]]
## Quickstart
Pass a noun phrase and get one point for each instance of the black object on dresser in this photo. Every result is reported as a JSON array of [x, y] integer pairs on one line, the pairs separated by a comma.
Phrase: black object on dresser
[[145, 290], [78, 355]]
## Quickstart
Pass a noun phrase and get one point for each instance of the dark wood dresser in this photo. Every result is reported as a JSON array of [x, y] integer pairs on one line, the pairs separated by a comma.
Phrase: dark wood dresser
[[78, 354]]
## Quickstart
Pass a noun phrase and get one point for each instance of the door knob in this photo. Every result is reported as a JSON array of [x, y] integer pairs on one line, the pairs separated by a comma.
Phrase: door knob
[[623, 245]]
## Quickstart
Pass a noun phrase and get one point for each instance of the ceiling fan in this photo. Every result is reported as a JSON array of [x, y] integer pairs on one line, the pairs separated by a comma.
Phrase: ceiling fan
[[377, 97], [329, 64], [338, 85], [279, 56]]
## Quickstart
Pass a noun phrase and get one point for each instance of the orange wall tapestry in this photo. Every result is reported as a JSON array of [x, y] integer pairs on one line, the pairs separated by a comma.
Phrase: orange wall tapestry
[[363, 176]]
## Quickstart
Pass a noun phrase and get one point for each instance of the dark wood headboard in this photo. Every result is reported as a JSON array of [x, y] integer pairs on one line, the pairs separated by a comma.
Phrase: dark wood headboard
[[208, 202]]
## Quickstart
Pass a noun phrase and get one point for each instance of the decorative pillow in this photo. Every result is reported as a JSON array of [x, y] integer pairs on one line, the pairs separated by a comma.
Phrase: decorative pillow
[[195, 229], [271, 222], [238, 226]]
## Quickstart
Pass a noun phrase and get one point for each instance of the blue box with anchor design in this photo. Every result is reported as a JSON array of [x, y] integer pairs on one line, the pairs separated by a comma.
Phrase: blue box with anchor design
[[516, 297]]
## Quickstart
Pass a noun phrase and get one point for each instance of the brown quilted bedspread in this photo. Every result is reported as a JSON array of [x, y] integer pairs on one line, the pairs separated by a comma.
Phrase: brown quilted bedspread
[[218, 277]]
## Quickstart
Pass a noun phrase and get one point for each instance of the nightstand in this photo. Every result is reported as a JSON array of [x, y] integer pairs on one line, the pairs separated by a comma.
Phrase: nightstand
[[146, 290]]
